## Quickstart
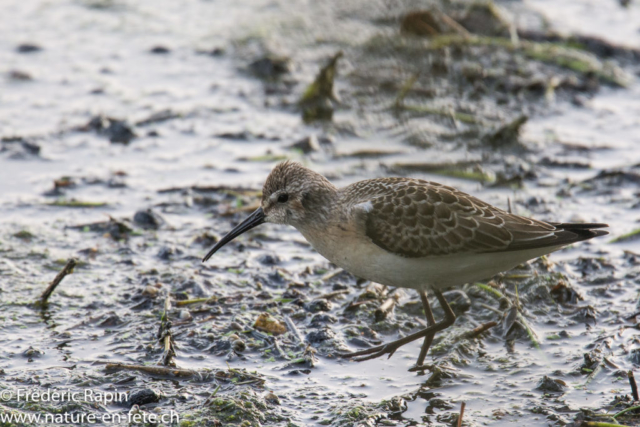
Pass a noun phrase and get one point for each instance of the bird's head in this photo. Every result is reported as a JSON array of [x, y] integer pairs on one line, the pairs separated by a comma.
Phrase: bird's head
[[292, 195]]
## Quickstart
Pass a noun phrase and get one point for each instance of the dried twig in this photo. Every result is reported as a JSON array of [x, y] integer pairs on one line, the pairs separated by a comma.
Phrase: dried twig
[[594, 373], [633, 316], [479, 330], [196, 301], [206, 319], [279, 350], [333, 294], [467, 335], [166, 337], [610, 363], [253, 378], [68, 269], [387, 307], [488, 307], [634, 386], [167, 305], [372, 293], [294, 329], [154, 370], [462, 405], [331, 274], [355, 303]]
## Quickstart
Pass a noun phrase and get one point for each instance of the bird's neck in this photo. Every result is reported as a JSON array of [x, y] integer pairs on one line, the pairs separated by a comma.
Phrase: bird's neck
[[320, 204]]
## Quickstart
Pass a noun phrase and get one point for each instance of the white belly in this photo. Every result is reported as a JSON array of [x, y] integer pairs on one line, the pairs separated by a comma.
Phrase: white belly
[[365, 259]]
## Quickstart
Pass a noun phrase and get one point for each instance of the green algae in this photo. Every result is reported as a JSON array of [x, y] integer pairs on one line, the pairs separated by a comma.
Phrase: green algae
[[632, 235], [239, 408], [76, 204]]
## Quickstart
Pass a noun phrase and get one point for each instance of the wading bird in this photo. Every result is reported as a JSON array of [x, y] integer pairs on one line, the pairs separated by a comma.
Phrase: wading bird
[[407, 233]]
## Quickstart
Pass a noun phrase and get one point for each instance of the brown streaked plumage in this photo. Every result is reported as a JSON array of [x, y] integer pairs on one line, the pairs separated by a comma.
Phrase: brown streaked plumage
[[415, 218], [406, 232]]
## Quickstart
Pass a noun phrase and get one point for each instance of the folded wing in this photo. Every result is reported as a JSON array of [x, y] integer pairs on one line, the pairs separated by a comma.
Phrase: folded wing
[[415, 218]]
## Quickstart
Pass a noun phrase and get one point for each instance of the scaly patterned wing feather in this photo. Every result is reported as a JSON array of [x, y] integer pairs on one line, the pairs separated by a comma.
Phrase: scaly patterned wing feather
[[414, 218]]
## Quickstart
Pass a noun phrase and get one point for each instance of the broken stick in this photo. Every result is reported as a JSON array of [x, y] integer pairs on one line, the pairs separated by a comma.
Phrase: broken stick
[[68, 269]]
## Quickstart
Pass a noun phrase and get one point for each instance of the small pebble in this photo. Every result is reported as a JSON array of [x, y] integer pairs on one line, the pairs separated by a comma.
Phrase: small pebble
[[299, 372], [269, 259], [239, 346], [322, 318], [19, 75], [142, 397], [320, 335], [28, 48], [265, 322], [160, 50], [147, 218], [319, 305], [236, 326], [272, 398], [307, 144], [32, 352], [150, 291], [550, 385], [270, 67]]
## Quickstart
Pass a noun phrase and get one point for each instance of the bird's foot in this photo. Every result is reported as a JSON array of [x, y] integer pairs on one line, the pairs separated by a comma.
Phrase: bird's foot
[[373, 352], [420, 368], [391, 347]]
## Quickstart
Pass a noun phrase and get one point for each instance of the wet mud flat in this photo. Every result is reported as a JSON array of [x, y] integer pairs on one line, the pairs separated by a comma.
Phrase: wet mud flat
[[133, 148]]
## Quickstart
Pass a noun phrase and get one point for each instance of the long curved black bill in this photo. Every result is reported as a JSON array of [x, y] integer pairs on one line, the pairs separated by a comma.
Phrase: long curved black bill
[[255, 219]]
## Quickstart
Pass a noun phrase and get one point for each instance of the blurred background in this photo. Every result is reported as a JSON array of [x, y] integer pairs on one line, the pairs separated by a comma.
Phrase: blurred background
[[134, 133]]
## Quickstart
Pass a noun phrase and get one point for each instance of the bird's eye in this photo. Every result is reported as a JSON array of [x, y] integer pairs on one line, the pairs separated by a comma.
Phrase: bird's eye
[[283, 198]]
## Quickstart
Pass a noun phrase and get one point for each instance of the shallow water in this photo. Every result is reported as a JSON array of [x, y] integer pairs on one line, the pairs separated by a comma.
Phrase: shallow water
[[96, 59]]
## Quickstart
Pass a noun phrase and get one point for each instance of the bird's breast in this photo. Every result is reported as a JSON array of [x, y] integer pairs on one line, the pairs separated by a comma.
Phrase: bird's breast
[[353, 251]]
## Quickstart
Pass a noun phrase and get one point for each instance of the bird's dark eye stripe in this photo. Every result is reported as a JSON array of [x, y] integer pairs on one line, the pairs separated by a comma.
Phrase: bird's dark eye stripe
[[283, 198]]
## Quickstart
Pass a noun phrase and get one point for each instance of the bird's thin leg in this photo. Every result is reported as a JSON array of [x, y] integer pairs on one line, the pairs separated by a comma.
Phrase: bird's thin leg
[[390, 348], [428, 340]]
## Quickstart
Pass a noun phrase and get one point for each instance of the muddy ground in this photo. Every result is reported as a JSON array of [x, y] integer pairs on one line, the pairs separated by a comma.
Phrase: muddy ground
[[135, 134]]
